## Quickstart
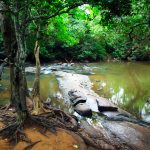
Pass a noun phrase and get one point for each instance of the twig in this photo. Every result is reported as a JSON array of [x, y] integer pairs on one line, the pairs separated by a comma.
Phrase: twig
[[31, 145]]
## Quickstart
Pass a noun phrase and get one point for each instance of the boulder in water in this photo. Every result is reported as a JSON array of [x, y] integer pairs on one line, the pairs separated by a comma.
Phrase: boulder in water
[[78, 101], [76, 97], [83, 110], [30, 69], [106, 108], [133, 135]]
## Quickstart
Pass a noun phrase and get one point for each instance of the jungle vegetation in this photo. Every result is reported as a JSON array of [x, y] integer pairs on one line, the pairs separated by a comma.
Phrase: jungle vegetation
[[72, 30], [93, 31]]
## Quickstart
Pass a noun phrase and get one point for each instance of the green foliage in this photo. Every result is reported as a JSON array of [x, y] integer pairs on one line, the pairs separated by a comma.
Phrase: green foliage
[[116, 28], [75, 36], [129, 35], [1, 42], [94, 51]]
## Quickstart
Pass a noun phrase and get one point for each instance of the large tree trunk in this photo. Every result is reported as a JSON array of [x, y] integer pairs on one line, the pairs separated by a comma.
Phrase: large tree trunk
[[20, 79], [10, 46], [14, 45]]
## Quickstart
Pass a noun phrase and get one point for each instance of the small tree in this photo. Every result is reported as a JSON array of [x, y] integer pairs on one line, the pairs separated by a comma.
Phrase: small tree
[[36, 85], [17, 15]]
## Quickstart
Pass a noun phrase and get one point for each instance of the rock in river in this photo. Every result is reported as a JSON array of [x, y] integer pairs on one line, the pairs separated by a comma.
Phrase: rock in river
[[83, 110], [136, 137], [106, 108], [76, 97]]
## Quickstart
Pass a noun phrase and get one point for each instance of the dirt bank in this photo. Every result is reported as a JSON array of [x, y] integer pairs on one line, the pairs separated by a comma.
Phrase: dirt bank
[[61, 140]]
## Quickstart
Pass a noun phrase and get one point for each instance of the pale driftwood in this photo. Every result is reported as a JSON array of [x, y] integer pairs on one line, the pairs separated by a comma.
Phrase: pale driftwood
[[36, 85]]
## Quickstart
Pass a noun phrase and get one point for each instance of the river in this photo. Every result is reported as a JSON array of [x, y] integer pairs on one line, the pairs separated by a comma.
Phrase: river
[[126, 84]]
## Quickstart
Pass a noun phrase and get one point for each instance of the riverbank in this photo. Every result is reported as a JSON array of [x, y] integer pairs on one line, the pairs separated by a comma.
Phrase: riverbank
[[111, 130], [62, 140]]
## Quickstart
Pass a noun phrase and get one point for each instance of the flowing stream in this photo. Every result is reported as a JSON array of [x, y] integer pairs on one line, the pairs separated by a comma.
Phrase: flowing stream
[[126, 84]]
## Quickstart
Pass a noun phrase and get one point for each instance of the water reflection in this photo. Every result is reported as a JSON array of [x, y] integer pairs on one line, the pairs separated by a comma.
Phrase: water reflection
[[126, 84]]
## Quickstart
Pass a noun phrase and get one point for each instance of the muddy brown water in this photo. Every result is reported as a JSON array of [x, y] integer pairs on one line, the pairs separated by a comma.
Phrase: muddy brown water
[[126, 84]]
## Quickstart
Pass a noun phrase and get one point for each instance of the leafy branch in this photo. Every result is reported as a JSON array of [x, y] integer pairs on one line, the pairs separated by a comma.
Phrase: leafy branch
[[133, 27], [58, 12]]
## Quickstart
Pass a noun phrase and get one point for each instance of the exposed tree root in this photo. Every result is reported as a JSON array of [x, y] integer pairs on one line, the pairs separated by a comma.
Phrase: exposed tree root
[[56, 118], [50, 121], [14, 133]]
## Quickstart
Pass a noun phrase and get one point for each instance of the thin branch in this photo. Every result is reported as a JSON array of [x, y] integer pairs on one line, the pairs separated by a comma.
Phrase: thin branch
[[26, 5], [133, 27], [4, 8], [58, 12], [6, 61]]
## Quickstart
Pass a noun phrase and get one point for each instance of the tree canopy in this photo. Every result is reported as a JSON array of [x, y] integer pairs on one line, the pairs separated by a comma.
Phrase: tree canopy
[[86, 29]]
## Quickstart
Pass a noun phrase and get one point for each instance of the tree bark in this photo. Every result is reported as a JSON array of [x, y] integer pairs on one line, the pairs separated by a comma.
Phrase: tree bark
[[14, 45], [9, 45], [19, 71]]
